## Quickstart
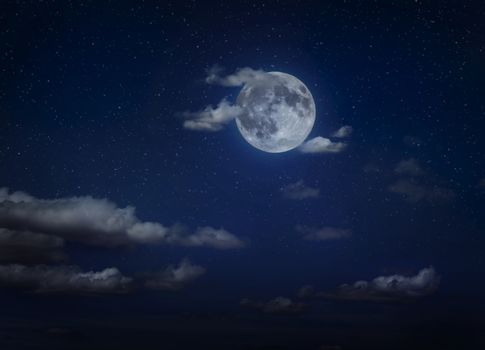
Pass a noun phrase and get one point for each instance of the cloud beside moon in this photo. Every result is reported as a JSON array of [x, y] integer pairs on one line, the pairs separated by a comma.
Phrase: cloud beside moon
[[274, 112]]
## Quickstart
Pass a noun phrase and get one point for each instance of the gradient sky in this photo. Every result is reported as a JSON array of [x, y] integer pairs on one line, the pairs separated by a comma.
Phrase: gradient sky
[[93, 99]]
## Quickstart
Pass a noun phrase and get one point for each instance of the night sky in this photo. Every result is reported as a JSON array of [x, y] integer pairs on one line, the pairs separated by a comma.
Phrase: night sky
[[134, 215]]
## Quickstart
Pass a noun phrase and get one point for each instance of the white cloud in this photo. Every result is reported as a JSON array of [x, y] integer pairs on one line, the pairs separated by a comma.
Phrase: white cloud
[[299, 190], [238, 78], [63, 279], [98, 222], [323, 234], [174, 277], [344, 131], [383, 288], [279, 305], [211, 119], [322, 145], [217, 238]]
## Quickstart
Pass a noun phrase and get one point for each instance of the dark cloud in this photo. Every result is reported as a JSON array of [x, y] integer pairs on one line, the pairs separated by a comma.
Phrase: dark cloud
[[299, 190], [413, 191], [383, 288], [414, 187], [279, 305], [63, 279], [99, 222], [174, 277], [323, 234], [409, 167], [322, 145], [30, 248]]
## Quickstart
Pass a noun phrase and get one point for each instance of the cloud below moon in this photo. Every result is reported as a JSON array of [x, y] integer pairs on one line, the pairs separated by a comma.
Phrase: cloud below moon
[[322, 145]]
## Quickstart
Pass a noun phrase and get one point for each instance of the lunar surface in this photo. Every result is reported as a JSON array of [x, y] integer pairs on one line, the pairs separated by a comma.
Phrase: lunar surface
[[278, 112]]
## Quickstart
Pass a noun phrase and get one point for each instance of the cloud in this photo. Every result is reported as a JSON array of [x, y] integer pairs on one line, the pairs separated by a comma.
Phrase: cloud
[[279, 305], [63, 279], [307, 291], [322, 145], [323, 234], [28, 248], [174, 277], [299, 190], [383, 288], [239, 78], [99, 222], [409, 167], [415, 192], [211, 119], [413, 187], [344, 131], [217, 238]]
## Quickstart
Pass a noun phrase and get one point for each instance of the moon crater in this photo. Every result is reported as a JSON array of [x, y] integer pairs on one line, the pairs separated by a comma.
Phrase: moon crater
[[278, 112]]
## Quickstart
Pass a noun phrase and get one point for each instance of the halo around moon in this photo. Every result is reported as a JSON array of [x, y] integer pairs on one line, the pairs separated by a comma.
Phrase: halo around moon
[[278, 112]]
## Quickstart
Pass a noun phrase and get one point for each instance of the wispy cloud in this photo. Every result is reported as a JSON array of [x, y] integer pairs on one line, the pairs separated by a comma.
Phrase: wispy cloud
[[299, 190], [409, 167], [344, 131], [413, 186], [322, 145], [323, 233], [414, 192], [279, 305], [63, 279], [174, 277], [240, 77], [383, 288], [211, 119]]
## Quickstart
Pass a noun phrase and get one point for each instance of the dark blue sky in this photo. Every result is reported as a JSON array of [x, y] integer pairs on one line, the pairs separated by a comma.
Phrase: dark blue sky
[[91, 98]]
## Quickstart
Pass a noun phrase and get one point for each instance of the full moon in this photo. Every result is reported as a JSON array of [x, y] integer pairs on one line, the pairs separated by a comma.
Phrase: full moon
[[278, 112]]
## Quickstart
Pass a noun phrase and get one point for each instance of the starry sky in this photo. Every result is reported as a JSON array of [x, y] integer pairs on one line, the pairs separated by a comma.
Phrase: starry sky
[[121, 226]]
